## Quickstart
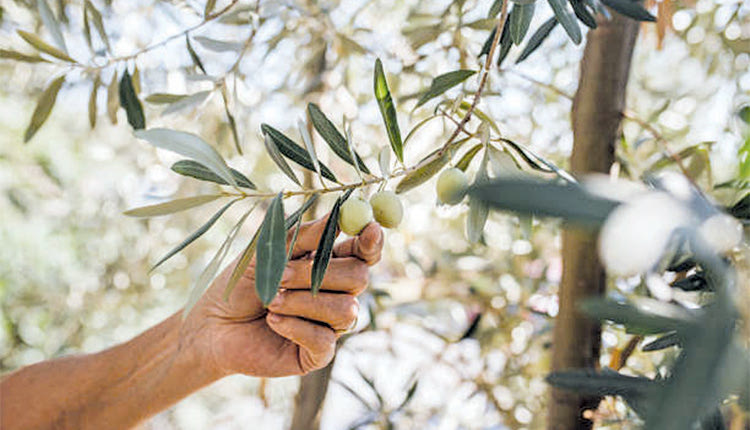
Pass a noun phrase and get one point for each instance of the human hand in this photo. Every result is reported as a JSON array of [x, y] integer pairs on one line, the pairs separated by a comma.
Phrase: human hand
[[298, 332]]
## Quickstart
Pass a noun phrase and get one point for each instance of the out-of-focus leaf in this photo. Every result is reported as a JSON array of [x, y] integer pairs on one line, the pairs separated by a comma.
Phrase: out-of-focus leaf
[[505, 42], [663, 342], [495, 9], [695, 282], [465, 160], [92, 101], [96, 17], [602, 383], [193, 55], [631, 9], [566, 19], [744, 114], [325, 246], [129, 101], [113, 99], [541, 198], [519, 25], [427, 170], [478, 208], [136, 79], [482, 24], [165, 98], [539, 163], [412, 390], [34, 40], [210, 4], [472, 329], [273, 152], [231, 121], [464, 107], [43, 107], [443, 83], [684, 154], [537, 38], [661, 318], [209, 272], [197, 170], [384, 160], [219, 45], [388, 110], [194, 235], [350, 45], [419, 36], [191, 146], [187, 102], [19, 56], [583, 14], [172, 206], [295, 152], [270, 259], [48, 18], [297, 215], [503, 164], [331, 135], [488, 43], [741, 209]]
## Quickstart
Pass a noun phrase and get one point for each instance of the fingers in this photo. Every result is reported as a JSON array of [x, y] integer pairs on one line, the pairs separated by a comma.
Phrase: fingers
[[367, 246], [317, 343], [338, 311], [348, 275], [308, 237]]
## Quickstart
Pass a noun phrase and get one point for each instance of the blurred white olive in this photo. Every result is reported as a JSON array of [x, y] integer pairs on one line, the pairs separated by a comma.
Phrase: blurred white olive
[[721, 232]]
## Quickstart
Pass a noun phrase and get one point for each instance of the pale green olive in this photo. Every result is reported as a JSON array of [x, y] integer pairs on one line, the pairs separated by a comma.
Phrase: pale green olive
[[387, 209], [451, 186], [354, 215]]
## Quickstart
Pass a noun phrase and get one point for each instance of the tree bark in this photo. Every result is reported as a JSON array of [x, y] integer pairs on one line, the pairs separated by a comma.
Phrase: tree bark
[[309, 400], [597, 108]]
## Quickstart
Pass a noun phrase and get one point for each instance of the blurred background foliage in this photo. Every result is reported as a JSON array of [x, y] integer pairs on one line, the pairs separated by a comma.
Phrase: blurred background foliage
[[470, 324]]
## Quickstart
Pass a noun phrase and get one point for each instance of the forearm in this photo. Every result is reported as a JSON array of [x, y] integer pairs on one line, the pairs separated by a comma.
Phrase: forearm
[[113, 389]]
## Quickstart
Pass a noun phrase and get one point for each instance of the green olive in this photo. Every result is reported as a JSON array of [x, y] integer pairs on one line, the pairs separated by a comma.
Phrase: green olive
[[354, 215], [451, 186], [387, 209]]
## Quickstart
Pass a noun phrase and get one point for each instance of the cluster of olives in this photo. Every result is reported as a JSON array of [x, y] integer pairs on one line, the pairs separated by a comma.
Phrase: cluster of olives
[[385, 206]]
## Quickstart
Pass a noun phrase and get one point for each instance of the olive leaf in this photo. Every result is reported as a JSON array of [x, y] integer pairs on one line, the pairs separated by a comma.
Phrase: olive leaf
[[172, 206], [19, 56], [465, 160], [537, 38], [297, 215], [478, 208], [43, 107], [443, 83], [92, 101], [325, 246], [273, 152], [658, 317], [295, 152], [197, 170], [307, 140], [209, 272], [113, 99], [583, 14], [48, 18], [242, 263], [231, 121], [219, 45], [186, 102], [129, 101], [566, 19], [270, 259], [631, 9], [35, 41], [662, 342], [332, 136], [165, 98], [191, 146], [193, 55], [210, 4], [194, 235], [384, 160], [519, 24], [96, 16], [388, 110], [427, 170]]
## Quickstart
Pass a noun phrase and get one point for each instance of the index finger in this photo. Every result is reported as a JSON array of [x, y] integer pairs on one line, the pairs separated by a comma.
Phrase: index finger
[[308, 237]]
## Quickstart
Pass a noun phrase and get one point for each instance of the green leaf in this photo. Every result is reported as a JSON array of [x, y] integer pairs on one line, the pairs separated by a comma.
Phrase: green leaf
[[566, 19], [96, 16], [427, 170], [34, 40], [443, 83], [307, 140], [744, 114], [165, 98], [295, 152], [270, 259], [129, 101], [92, 101], [488, 43], [194, 56], [219, 45], [187, 102], [695, 282], [113, 99], [241, 266], [191, 146], [48, 18], [464, 162], [43, 107], [663, 342], [741, 209], [388, 110], [478, 208], [172, 206], [542, 198], [194, 235], [325, 246], [209, 272], [650, 317], [197, 170], [273, 152], [331, 135], [537, 38], [18, 56], [602, 383], [384, 161], [519, 25], [210, 4], [583, 14], [297, 215], [630, 8], [495, 9]]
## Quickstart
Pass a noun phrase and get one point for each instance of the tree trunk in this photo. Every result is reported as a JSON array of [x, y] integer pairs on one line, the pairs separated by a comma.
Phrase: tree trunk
[[309, 400], [597, 108]]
